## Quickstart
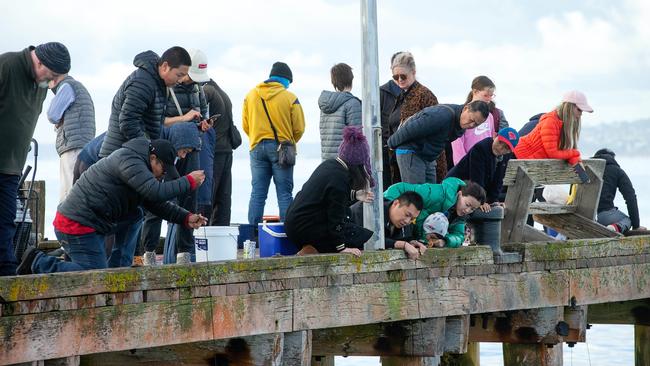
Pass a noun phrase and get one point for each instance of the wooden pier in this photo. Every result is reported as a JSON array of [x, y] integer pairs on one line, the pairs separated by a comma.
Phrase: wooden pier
[[290, 310]]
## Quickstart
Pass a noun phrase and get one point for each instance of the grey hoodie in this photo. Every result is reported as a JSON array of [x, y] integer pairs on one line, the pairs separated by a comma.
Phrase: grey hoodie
[[337, 110]]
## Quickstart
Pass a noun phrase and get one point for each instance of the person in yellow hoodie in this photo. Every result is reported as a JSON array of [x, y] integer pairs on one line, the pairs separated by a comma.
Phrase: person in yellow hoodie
[[271, 106]]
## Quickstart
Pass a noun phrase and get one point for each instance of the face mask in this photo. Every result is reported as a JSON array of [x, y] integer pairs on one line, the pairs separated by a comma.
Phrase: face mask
[[44, 84]]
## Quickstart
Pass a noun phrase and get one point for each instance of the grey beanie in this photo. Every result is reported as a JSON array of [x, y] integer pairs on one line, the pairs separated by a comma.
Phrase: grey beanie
[[281, 69], [54, 56]]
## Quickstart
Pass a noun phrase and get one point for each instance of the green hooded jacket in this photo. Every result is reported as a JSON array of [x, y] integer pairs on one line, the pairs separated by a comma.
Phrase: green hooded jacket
[[437, 198]]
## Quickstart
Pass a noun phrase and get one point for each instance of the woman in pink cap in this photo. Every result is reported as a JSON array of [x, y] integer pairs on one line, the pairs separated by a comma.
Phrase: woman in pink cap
[[556, 135]]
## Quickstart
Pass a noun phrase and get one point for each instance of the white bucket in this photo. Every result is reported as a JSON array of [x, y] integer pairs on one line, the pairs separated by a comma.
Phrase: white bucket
[[216, 243]]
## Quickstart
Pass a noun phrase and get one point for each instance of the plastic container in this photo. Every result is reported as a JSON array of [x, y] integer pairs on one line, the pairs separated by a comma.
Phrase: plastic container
[[216, 243], [273, 240]]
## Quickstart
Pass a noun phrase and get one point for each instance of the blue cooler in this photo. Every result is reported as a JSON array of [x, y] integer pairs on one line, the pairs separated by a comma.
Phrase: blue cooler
[[273, 240]]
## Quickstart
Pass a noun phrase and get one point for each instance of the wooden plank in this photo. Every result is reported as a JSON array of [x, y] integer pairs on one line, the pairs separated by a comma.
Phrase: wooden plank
[[532, 355], [550, 208], [422, 337], [575, 226], [527, 326], [532, 234], [79, 332], [254, 350], [588, 195], [609, 284], [518, 200], [409, 361], [203, 274], [245, 315], [297, 348], [582, 249], [549, 171], [390, 301], [499, 292], [625, 312], [322, 361]]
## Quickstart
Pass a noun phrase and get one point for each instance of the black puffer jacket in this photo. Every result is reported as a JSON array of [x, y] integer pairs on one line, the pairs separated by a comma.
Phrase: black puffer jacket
[[220, 103], [388, 95], [138, 108], [115, 186], [427, 131], [615, 178]]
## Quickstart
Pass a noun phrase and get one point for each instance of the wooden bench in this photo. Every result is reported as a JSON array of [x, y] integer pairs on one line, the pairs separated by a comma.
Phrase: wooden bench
[[575, 221]]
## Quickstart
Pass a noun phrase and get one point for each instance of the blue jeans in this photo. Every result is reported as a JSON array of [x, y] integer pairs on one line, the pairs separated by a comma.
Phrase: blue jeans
[[127, 235], [264, 165], [86, 252], [614, 216], [8, 194]]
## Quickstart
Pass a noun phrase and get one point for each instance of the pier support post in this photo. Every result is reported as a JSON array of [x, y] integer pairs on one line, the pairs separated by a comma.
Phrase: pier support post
[[641, 345], [537, 354], [297, 348], [469, 358]]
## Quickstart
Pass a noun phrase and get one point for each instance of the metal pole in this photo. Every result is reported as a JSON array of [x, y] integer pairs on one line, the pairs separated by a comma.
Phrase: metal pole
[[373, 213]]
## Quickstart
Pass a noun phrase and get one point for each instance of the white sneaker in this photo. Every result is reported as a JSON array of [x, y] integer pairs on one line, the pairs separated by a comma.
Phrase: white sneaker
[[149, 259], [183, 258]]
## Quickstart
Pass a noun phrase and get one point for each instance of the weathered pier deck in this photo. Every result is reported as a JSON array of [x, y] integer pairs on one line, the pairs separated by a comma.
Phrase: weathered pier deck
[[284, 311]]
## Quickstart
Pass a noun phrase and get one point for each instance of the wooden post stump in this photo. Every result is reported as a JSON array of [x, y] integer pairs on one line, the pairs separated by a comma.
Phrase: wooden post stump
[[537, 354], [322, 361], [641, 345], [470, 358]]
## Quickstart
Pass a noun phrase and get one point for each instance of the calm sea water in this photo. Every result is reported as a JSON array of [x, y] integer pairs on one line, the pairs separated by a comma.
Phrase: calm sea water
[[606, 345]]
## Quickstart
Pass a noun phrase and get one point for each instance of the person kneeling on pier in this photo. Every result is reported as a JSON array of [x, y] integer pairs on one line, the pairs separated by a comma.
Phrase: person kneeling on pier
[[453, 197], [316, 219], [108, 191], [399, 215]]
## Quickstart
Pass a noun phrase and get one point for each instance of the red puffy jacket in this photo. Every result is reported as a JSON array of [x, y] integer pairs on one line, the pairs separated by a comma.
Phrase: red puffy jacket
[[542, 142]]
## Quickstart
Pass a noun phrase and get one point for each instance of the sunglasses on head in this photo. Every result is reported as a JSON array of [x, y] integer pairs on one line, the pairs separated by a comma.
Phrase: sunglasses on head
[[401, 77]]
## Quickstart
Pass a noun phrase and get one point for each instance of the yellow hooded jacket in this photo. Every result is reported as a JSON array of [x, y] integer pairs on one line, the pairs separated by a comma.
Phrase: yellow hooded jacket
[[285, 111]]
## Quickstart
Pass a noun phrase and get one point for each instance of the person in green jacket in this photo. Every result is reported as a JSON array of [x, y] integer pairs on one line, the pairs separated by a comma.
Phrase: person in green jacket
[[24, 79], [453, 197]]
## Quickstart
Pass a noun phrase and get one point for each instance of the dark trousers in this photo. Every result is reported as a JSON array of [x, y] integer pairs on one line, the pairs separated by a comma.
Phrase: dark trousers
[[8, 194], [151, 229], [221, 190]]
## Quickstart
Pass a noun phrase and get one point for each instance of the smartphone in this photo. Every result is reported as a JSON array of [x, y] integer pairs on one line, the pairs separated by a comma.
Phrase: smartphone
[[214, 118]]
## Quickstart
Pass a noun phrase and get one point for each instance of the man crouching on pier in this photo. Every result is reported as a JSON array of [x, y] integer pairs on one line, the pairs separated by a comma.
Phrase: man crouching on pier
[[109, 190]]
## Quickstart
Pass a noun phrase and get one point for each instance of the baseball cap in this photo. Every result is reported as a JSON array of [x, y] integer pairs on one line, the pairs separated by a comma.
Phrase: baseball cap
[[199, 69], [166, 153], [436, 223], [578, 99], [509, 136]]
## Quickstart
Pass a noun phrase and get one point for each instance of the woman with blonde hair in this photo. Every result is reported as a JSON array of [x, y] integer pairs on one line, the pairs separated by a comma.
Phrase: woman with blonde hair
[[557, 133], [413, 98]]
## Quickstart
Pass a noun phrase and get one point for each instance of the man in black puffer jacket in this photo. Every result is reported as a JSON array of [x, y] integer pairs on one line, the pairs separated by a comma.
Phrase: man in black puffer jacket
[[138, 108], [105, 194], [615, 178]]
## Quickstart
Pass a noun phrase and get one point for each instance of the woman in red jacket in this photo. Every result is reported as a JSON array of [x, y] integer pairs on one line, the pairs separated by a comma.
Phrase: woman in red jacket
[[556, 135]]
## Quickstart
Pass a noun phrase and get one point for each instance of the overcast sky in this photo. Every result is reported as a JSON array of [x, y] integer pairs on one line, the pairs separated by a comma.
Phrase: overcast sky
[[532, 51]]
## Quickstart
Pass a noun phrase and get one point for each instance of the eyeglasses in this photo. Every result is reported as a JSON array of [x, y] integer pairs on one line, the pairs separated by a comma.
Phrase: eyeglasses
[[401, 77]]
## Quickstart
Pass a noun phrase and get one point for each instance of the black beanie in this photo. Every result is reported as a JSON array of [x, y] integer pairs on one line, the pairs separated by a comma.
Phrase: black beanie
[[283, 70], [54, 56]]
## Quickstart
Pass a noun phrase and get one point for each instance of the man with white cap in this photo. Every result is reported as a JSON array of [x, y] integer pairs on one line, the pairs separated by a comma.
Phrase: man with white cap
[[24, 78]]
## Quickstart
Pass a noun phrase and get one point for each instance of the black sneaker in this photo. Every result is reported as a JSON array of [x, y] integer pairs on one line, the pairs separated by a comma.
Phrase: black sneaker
[[25, 266]]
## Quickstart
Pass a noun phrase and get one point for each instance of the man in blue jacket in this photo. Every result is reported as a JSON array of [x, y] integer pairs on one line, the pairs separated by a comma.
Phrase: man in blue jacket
[[108, 191], [422, 137]]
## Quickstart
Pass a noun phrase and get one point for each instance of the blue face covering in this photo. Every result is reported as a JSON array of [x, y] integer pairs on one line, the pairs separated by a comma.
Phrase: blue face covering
[[284, 81]]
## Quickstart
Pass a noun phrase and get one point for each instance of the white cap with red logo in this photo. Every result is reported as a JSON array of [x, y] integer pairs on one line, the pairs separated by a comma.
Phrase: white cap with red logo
[[199, 69]]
